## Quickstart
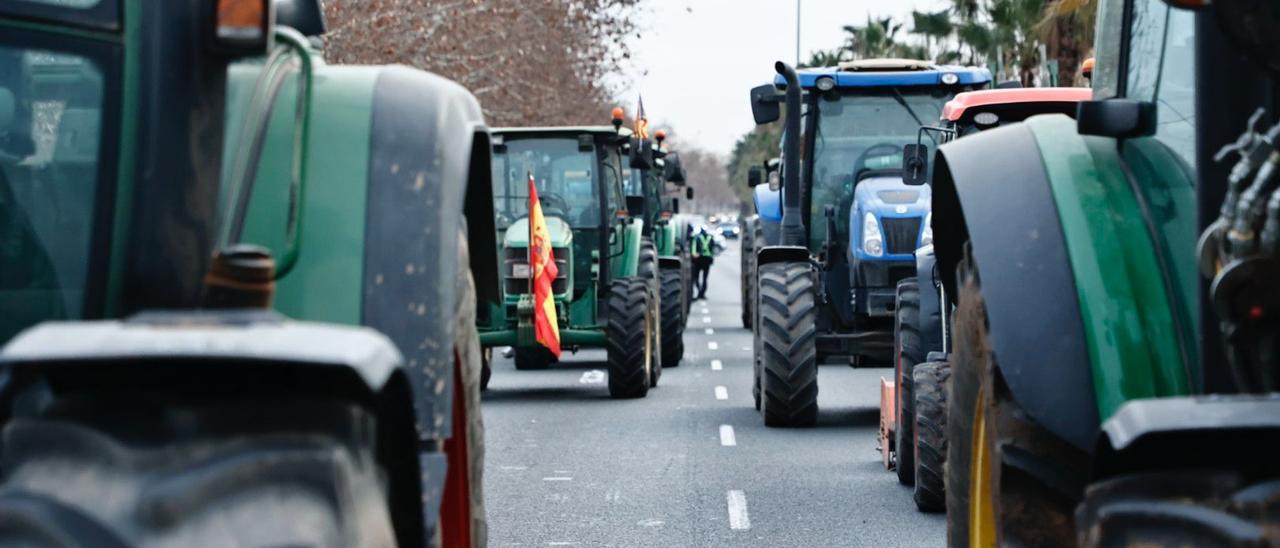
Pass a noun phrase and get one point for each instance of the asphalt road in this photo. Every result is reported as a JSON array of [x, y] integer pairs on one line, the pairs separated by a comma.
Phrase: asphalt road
[[691, 464]]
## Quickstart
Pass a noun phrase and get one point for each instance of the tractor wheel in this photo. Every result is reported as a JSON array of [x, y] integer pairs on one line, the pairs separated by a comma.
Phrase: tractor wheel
[[630, 338], [788, 365], [756, 352], [930, 435], [486, 368], [648, 269], [144, 469], [748, 254], [533, 358], [907, 353], [1180, 507], [672, 318], [990, 503]]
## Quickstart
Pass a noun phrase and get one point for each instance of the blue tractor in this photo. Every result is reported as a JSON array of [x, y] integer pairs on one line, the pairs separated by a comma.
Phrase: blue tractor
[[838, 225]]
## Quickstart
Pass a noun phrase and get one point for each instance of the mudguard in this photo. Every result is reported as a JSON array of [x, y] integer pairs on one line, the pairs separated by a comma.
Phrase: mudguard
[[670, 262], [1001, 202], [1188, 432], [481, 226], [781, 253], [627, 263], [930, 302]]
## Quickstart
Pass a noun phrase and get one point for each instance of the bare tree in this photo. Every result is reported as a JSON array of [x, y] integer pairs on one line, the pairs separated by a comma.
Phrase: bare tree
[[538, 62]]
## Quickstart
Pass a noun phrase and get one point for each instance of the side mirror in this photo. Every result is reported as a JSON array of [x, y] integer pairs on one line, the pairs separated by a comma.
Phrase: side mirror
[[636, 206], [673, 171], [766, 104], [1119, 118], [641, 154], [688, 193], [915, 164], [755, 176]]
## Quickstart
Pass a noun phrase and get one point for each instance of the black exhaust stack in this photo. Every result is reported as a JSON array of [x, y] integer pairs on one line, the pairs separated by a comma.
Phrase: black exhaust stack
[[793, 232]]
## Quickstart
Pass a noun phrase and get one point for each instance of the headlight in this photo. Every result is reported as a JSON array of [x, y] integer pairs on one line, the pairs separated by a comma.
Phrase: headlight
[[825, 83], [950, 78], [872, 238], [519, 270], [927, 237]]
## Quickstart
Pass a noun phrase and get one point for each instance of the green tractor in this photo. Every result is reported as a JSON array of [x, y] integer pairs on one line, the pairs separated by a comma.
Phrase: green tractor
[[1101, 393], [668, 231], [157, 194], [607, 290]]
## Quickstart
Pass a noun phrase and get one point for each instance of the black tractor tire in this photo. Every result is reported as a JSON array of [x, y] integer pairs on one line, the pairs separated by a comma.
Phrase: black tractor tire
[[1180, 507], [534, 358], [930, 435], [787, 333], [486, 368], [747, 262], [648, 269], [672, 318], [630, 338], [907, 353], [133, 470], [1025, 511]]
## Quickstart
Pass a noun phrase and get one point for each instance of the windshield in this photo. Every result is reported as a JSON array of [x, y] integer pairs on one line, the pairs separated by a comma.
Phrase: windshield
[[565, 175], [860, 133], [50, 129]]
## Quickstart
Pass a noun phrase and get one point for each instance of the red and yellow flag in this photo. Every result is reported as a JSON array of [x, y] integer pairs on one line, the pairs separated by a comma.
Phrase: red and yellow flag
[[542, 270]]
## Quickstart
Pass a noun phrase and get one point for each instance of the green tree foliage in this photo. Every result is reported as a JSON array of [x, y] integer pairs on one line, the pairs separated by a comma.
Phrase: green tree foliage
[[753, 149]]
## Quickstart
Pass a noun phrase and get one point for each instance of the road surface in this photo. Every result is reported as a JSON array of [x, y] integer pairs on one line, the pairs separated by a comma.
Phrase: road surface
[[691, 464]]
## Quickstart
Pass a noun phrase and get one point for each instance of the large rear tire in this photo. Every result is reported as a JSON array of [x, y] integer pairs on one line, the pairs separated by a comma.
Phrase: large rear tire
[[787, 331], [989, 502], [630, 338], [672, 317], [747, 261], [907, 353], [930, 435], [133, 470], [1180, 507]]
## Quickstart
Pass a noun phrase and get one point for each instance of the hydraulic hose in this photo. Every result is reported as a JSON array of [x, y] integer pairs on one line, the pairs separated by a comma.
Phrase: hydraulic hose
[[793, 232]]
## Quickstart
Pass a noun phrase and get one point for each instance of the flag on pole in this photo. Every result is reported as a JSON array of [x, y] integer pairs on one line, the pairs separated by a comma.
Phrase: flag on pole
[[542, 270], [642, 121]]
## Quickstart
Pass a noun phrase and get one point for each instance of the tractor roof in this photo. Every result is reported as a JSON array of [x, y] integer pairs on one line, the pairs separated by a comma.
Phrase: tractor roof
[[889, 72], [561, 130], [955, 108]]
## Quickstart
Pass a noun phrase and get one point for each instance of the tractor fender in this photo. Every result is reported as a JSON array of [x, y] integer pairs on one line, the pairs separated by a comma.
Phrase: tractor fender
[[781, 253], [1188, 432], [930, 303], [992, 190]]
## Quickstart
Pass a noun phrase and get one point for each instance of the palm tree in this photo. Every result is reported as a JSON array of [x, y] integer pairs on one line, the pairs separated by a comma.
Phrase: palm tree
[[824, 58], [1067, 30], [935, 27], [875, 39]]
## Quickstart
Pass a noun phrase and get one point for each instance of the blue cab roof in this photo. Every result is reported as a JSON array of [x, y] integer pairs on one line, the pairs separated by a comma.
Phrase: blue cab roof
[[931, 76]]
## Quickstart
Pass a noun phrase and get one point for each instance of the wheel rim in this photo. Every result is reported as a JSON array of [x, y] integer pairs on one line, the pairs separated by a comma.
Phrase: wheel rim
[[648, 345], [982, 523]]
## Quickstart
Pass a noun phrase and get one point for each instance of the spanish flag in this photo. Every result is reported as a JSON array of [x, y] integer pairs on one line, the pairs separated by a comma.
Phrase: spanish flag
[[542, 270]]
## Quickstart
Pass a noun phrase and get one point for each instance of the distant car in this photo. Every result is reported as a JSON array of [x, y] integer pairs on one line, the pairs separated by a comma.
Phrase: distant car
[[729, 230]]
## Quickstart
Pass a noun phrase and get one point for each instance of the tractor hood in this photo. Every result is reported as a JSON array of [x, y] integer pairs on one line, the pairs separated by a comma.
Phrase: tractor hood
[[518, 233], [889, 197]]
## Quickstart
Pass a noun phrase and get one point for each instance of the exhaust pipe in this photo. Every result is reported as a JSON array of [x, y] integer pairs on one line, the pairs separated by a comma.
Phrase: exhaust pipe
[[793, 233]]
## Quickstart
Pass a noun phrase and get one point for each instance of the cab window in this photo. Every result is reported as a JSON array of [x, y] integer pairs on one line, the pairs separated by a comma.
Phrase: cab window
[[1162, 71]]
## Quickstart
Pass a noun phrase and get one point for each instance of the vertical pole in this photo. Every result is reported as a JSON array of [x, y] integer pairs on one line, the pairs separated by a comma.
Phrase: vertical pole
[[798, 32]]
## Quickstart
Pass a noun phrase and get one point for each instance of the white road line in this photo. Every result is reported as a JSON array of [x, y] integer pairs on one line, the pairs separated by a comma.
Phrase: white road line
[[557, 478], [711, 331], [727, 438], [722, 393], [738, 517], [706, 319], [713, 346], [717, 365], [594, 376]]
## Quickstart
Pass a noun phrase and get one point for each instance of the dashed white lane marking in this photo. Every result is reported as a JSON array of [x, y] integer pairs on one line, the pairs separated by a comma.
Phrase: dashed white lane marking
[[711, 331], [717, 365], [727, 438], [722, 393], [594, 376], [561, 543], [706, 319], [557, 478], [713, 346], [738, 517]]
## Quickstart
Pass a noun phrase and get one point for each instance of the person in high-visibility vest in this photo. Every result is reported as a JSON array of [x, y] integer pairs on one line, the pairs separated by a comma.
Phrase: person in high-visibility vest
[[703, 256]]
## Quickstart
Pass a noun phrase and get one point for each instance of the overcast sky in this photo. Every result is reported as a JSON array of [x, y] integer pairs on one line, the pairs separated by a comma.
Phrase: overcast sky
[[699, 58]]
